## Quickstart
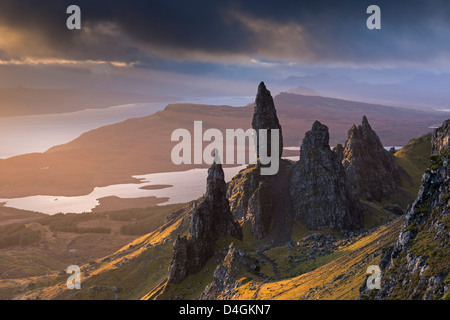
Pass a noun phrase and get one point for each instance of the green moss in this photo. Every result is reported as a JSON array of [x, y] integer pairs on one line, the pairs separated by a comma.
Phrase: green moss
[[446, 296], [445, 153], [445, 221], [431, 251]]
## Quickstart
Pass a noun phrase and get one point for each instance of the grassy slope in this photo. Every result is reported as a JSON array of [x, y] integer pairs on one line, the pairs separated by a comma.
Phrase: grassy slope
[[36, 265], [429, 241], [193, 286], [413, 159], [340, 278]]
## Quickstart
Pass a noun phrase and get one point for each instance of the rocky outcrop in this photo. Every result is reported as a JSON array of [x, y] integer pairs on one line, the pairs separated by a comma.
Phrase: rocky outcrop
[[369, 167], [440, 138], [320, 194], [418, 266], [265, 117], [211, 219], [226, 275]]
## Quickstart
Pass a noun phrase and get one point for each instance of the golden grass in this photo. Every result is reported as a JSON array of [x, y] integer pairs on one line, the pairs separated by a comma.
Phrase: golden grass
[[338, 279]]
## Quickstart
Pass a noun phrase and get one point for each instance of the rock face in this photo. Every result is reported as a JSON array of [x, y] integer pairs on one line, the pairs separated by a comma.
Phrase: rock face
[[211, 219], [418, 267], [440, 138], [320, 193], [263, 201], [369, 167], [260, 210], [226, 275], [241, 188], [265, 117]]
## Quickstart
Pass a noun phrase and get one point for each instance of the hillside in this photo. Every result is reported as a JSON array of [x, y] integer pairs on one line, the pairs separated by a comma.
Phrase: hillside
[[314, 260], [414, 159], [112, 154], [417, 265], [22, 101], [34, 246]]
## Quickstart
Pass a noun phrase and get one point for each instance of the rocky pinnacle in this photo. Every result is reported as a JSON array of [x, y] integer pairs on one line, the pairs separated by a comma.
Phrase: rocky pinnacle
[[320, 193], [211, 219], [370, 168], [265, 117]]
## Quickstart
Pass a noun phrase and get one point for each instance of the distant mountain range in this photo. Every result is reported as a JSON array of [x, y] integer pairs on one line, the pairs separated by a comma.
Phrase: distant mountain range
[[423, 91]]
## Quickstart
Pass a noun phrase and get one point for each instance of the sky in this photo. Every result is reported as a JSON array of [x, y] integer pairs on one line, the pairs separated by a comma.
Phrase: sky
[[217, 46]]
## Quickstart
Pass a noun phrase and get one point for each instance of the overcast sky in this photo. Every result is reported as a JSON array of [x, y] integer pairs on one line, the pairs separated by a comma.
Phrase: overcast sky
[[228, 41]]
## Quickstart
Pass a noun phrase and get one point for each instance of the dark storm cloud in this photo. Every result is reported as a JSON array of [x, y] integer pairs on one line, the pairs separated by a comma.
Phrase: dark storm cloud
[[305, 31]]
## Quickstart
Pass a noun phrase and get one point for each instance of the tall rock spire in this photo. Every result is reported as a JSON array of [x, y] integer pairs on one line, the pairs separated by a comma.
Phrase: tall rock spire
[[265, 117], [263, 200]]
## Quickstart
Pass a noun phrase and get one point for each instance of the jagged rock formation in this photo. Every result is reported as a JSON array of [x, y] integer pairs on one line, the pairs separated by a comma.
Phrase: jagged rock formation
[[265, 117], [211, 219], [369, 167], [263, 200], [320, 193], [226, 274], [315, 190], [418, 267]]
